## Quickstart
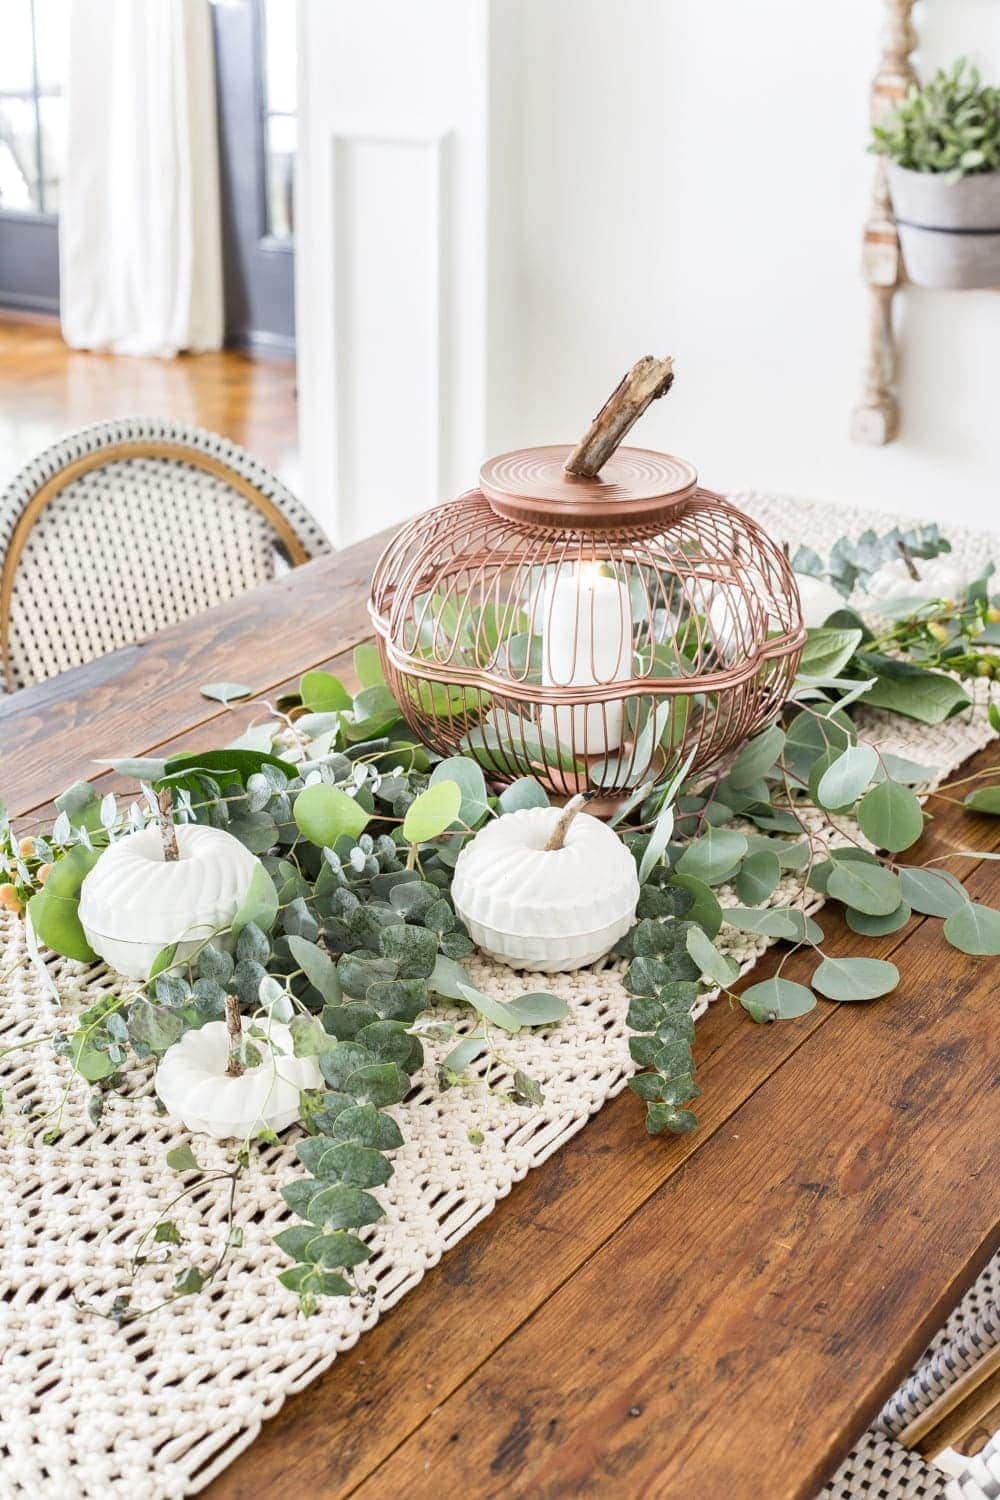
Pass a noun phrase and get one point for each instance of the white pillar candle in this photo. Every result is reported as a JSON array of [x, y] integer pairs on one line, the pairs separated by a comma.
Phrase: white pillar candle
[[586, 640]]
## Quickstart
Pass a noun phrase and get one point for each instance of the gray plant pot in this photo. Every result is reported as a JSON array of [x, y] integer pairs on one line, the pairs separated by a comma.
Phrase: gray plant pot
[[949, 232]]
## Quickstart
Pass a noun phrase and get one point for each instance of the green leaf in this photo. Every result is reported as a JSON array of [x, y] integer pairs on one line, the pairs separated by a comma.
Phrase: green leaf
[[713, 857], [492, 1010], [239, 764], [325, 813], [890, 816], [225, 692], [974, 929], [758, 877], [847, 979], [846, 778], [54, 909], [713, 964], [774, 922], [459, 1058], [260, 904], [984, 799], [538, 1008], [471, 782], [343, 1207], [375, 711], [777, 1000], [827, 651], [447, 978], [657, 843], [935, 893], [139, 768], [322, 693], [368, 666], [164, 960], [318, 967], [506, 753], [432, 813], [868, 888], [861, 922], [525, 792], [758, 756], [705, 909], [914, 692], [182, 1159]]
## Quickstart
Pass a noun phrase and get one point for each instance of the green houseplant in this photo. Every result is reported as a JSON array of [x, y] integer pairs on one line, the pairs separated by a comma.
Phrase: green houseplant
[[942, 142]]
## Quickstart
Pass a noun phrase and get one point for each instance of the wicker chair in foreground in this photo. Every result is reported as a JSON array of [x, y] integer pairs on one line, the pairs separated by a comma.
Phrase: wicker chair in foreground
[[127, 526]]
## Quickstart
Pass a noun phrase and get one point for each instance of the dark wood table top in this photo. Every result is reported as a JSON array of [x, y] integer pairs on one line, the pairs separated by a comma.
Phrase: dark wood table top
[[714, 1314]]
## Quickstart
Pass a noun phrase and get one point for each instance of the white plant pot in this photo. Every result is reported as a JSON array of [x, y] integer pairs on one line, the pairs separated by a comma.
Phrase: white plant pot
[[545, 909], [949, 231]]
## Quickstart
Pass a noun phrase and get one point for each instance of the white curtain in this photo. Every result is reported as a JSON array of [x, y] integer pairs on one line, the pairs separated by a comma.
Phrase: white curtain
[[139, 228]]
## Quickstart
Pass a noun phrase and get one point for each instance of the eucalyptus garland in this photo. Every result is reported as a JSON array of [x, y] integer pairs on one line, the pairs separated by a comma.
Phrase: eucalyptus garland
[[348, 934]]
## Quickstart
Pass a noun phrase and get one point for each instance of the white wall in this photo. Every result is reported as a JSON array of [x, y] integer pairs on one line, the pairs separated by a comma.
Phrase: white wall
[[692, 179]]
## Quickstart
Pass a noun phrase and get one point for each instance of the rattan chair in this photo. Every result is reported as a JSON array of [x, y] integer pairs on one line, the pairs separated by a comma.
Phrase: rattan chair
[[127, 526], [959, 1366]]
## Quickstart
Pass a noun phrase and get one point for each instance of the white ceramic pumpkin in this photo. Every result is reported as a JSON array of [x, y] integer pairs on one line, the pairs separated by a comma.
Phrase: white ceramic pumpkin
[[940, 578], [818, 599], [193, 1082], [135, 902], [540, 907]]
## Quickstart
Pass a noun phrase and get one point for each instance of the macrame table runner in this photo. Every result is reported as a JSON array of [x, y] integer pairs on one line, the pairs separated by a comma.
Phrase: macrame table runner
[[158, 1408]]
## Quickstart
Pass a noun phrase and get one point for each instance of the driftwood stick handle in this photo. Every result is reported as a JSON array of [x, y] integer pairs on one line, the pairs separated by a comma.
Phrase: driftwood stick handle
[[647, 379]]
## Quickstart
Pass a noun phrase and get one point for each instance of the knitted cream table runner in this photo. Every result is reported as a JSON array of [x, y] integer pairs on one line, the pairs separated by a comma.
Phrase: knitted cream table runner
[[160, 1407]]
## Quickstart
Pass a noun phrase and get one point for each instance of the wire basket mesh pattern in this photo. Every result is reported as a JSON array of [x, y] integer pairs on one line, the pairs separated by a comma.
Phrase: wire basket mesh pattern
[[589, 657]]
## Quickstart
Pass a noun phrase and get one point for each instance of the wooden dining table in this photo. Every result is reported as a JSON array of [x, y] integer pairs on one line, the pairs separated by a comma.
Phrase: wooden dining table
[[718, 1314]]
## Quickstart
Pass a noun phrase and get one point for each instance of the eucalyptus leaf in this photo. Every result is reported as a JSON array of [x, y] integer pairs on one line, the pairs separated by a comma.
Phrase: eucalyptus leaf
[[433, 812], [225, 692], [538, 1008], [777, 1000], [827, 651], [867, 926], [847, 979], [974, 929], [890, 815], [867, 888], [322, 693], [934, 893], [468, 777], [318, 967], [323, 814], [490, 1009], [757, 757], [713, 964], [713, 857], [525, 792], [54, 909], [758, 878], [260, 904], [846, 778], [985, 799]]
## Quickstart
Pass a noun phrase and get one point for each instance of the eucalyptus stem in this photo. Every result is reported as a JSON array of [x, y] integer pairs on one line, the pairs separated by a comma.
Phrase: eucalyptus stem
[[234, 1026]]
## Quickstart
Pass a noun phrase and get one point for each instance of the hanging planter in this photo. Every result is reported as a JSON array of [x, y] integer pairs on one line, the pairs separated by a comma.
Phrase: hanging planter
[[949, 231], [943, 146]]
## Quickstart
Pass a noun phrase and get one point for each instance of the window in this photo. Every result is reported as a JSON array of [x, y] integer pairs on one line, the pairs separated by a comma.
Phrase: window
[[279, 111], [32, 106]]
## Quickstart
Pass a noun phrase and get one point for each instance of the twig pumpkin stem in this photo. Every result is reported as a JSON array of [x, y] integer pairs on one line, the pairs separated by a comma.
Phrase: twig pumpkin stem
[[907, 557], [560, 828], [234, 1026], [168, 833], [647, 379]]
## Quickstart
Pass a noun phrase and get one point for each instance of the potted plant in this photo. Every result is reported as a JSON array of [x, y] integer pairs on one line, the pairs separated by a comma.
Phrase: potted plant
[[943, 146]]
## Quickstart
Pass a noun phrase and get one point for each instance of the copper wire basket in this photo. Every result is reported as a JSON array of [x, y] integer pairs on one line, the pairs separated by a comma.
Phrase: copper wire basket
[[587, 629]]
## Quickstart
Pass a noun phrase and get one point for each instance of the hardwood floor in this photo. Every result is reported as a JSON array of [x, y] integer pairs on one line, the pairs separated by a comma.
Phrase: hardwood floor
[[48, 389]]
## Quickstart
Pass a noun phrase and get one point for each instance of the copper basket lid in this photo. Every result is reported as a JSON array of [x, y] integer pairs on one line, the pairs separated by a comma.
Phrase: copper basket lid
[[532, 485]]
